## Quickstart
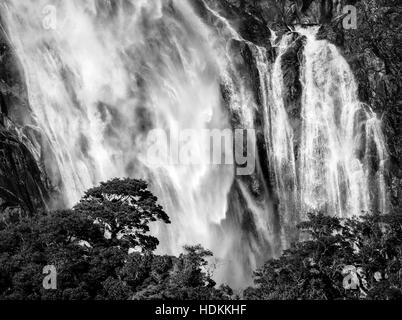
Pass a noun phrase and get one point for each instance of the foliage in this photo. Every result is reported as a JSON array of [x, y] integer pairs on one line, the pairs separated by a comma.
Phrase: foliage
[[182, 278], [90, 265], [124, 209], [315, 268]]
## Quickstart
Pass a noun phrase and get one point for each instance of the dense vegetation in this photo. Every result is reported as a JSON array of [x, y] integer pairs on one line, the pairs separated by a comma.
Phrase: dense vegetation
[[102, 249], [89, 247], [359, 258]]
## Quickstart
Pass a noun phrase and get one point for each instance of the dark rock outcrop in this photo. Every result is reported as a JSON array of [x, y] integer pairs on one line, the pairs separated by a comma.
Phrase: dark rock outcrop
[[373, 50], [22, 183], [24, 186]]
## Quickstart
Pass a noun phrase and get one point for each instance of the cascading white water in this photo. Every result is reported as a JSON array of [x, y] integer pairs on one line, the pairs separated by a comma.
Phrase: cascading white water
[[339, 135], [106, 75], [112, 71], [280, 141], [249, 248]]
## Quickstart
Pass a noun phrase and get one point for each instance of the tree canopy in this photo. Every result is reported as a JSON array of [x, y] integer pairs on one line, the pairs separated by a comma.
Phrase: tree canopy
[[358, 258], [89, 249], [124, 209]]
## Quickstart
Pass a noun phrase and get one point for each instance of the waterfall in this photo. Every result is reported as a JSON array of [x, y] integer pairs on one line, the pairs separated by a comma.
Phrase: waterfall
[[280, 142], [339, 136], [109, 73]]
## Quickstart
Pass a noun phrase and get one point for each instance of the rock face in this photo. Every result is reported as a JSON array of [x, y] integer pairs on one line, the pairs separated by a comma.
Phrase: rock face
[[373, 50], [23, 184]]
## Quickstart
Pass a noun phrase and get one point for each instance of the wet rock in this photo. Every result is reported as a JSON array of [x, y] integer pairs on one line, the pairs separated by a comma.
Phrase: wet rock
[[22, 183], [291, 67], [246, 19]]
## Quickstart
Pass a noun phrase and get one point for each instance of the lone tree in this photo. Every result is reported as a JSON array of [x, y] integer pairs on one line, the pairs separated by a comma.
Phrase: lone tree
[[124, 208]]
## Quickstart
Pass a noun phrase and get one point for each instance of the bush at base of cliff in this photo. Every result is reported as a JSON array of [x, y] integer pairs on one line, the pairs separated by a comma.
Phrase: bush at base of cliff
[[358, 258]]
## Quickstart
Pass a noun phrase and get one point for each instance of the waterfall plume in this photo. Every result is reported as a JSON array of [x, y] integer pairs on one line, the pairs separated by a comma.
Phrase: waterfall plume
[[109, 73]]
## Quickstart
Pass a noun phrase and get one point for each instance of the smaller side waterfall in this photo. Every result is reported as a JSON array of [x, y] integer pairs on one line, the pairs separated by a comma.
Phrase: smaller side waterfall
[[336, 163], [281, 144], [278, 136], [342, 153]]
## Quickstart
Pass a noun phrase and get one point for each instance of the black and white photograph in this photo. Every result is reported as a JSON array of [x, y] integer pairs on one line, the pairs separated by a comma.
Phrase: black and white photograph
[[229, 151]]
